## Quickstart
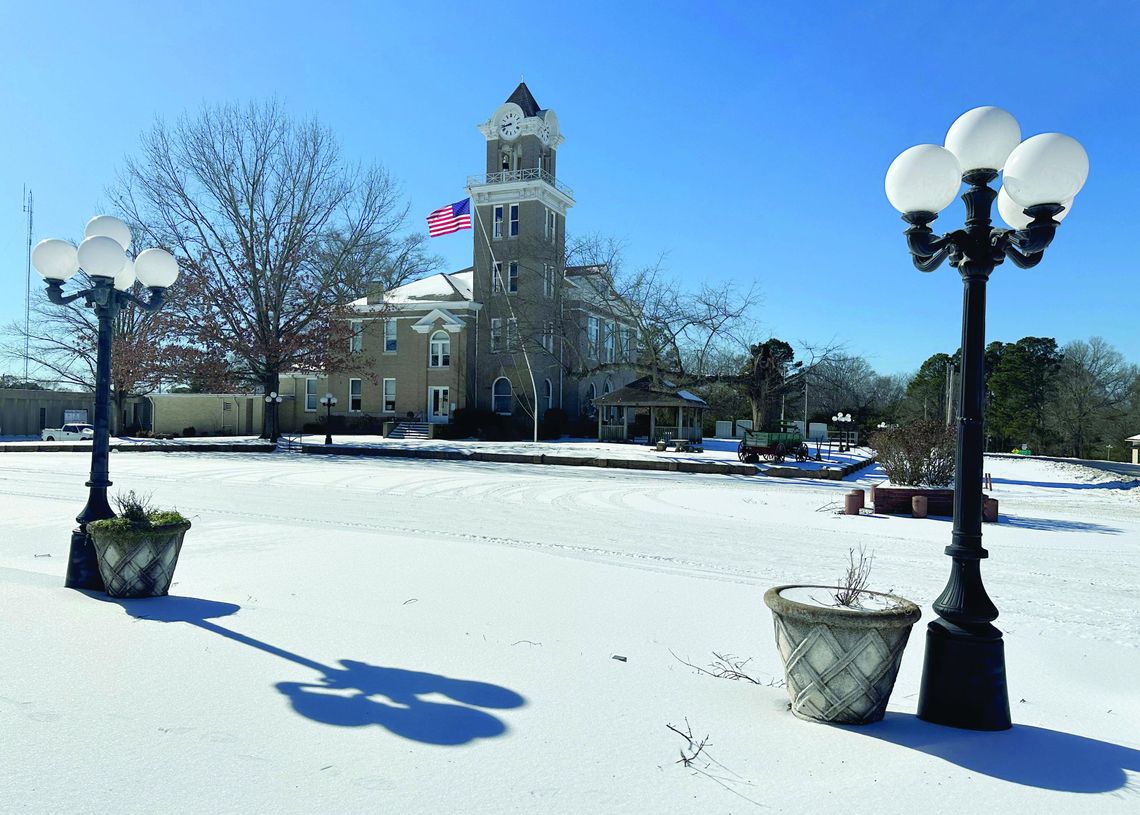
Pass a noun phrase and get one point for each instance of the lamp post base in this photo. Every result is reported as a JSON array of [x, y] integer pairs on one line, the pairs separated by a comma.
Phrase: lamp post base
[[963, 678], [82, 564], [328, 438]]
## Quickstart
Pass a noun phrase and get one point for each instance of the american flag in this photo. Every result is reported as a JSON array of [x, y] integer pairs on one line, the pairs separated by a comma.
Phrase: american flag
[[450, 218]]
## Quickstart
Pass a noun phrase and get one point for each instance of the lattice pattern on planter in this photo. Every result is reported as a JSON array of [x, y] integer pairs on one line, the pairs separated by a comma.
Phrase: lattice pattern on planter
[[836, 682], [139, 567]]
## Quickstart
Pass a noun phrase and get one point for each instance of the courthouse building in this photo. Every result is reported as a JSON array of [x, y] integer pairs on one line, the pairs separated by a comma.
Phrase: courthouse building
[[517, 328]]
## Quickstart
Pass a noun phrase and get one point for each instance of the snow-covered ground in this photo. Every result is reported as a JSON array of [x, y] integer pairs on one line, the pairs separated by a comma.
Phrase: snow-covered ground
[[390, 635]]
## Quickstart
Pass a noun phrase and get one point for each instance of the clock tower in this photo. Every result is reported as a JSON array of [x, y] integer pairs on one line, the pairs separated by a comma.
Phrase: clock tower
[[519, 229]]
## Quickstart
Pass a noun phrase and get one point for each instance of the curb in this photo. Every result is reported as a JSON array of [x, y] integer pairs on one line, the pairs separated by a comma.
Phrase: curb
[[705, 467], [832, 474], [204, 447]]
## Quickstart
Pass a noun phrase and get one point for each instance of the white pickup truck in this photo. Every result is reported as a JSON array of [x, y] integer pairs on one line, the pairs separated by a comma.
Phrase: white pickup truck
[[69, 432]]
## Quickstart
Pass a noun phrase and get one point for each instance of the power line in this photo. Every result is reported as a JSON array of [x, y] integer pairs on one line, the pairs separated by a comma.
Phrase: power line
[[29, 209]]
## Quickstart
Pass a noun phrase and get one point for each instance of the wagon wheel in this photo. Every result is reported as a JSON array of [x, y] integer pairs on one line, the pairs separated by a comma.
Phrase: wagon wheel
[[802, 453], [742, 453], [781, 451]]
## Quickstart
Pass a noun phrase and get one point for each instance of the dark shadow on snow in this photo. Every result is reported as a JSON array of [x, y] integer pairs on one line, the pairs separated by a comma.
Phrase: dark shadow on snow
[[1044, 524], [356, 694], [1072, 485], [1030, 756]]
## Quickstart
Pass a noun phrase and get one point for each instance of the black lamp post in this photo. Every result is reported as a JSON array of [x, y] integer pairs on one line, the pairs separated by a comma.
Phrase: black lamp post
[[328, 400], [272, 404], [963, 676], [103, 256]]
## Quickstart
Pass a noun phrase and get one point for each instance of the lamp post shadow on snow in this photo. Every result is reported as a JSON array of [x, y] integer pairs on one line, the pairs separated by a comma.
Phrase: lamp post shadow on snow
[[1030, 756], [356, 694]]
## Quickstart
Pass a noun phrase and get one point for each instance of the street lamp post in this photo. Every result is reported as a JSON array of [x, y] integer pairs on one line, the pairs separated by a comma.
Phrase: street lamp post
[[103, 256], [272, 403], [963, 676], [328, 400], [843, 420]]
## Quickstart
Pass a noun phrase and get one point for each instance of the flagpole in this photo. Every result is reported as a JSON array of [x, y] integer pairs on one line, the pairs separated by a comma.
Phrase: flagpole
[[495, 270]]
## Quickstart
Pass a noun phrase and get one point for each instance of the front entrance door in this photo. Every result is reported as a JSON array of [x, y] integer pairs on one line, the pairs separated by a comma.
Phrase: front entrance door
[[439, 408]]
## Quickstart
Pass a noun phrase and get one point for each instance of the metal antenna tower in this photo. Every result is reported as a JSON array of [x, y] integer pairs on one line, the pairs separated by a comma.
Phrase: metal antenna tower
[[28, 208]]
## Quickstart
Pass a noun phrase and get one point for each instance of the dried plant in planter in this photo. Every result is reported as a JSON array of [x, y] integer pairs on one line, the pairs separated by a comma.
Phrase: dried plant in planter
[[854, 582], [138, 550], [917, 454]]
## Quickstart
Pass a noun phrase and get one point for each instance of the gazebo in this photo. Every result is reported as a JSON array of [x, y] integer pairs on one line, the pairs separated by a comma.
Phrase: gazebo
[[673, 413], [1135, 442]]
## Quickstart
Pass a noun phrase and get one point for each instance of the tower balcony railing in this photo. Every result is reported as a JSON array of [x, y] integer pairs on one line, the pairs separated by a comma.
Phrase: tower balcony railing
[[510, 176]]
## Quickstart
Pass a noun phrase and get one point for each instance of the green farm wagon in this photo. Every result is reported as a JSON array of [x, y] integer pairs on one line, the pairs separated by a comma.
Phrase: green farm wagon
[[772, 445]]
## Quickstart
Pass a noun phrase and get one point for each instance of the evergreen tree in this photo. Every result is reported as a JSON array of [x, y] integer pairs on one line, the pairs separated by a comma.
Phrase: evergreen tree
[[1021, 385]]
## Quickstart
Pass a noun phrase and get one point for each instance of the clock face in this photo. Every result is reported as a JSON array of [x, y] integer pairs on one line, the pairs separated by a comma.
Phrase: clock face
[[510, 124], [544, 133]]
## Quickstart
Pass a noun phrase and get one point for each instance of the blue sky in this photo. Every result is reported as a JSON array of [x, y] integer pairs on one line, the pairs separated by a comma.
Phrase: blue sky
[[747, 141]]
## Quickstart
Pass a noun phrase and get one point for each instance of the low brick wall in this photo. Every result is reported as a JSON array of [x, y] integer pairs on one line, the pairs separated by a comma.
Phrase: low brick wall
[[831, 474], [896, 500]]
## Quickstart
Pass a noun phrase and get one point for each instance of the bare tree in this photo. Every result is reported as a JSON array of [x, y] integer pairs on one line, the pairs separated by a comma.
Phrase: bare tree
[[62, 343], [274, 232], [1093, 389]]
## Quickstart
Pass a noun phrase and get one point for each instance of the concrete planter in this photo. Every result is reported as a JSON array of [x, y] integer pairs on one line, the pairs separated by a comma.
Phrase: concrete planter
[[137, 562], [840, 664]]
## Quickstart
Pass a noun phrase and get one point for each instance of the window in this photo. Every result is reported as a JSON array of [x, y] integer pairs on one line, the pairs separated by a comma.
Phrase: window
[[501, 395], [630, 344], [548, 280], [310, 394], [498, 222], [551, 225], [608, 412], [588, 408], [512, 333], [440, 350], [514, 220], [497, 277], [548, 336], [593, 326], [549, 395], [513, 277], [496, 334], [389, 395], [354, 395], [356, 340], [610, 330], [389, 336]]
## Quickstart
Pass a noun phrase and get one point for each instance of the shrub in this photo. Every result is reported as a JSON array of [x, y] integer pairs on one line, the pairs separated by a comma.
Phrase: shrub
[[137, 512], [917, 454], [553, 424]]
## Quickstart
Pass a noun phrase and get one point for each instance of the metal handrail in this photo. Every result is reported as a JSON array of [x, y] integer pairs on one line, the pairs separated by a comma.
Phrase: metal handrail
[[528, 174]]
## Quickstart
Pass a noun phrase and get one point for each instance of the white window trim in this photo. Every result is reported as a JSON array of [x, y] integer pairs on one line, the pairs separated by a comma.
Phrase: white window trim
[[384, 395], [513, 277], [513, 221], [496, 334], [360, 396], [395, 336], [497, 221], [446, 341], [512, 337], [510, 394], [356, 337], [316, 402], [497, 277]]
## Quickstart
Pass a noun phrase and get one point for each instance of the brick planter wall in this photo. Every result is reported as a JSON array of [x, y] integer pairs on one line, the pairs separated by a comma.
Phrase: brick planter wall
[[896, 500]]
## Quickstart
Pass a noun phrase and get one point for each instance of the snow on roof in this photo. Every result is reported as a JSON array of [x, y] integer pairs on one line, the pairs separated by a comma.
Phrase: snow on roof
[[441, 286]]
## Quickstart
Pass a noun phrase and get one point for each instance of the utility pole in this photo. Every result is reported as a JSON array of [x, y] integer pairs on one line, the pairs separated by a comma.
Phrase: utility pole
[[28, 208]]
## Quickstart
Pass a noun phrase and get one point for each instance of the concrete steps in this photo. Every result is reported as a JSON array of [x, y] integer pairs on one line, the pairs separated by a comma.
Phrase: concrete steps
[[411, 430]]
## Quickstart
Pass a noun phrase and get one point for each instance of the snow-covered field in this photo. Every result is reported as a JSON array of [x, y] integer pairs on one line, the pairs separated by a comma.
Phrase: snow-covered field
[[388, 635]]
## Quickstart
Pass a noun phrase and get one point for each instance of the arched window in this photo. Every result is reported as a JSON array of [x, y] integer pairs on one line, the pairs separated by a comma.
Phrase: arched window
[[501, 394], [608, 412], [591, 395], [549, 395], [440, 353]]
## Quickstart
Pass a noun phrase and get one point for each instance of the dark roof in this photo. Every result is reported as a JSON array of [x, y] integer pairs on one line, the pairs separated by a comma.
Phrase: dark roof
[[645, 393], [523, 98]]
